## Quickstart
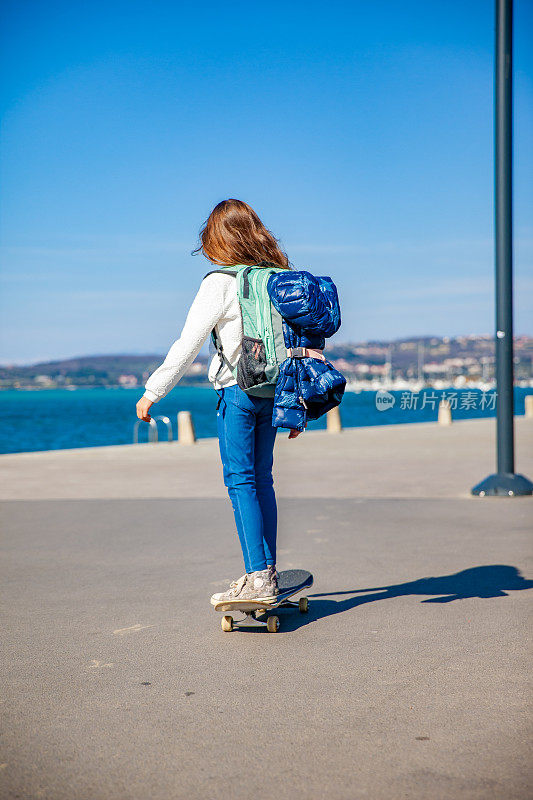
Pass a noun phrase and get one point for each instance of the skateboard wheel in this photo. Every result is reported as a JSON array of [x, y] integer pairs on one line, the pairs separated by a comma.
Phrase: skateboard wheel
[[303, 605], [227, 624], [273, 624]]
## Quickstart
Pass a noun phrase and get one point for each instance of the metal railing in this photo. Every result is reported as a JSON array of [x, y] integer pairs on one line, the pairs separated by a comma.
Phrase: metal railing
[[166, 421], [153, 430]]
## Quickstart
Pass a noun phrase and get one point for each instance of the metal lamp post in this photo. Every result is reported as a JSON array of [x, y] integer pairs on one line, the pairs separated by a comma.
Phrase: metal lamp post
[[505, 481]]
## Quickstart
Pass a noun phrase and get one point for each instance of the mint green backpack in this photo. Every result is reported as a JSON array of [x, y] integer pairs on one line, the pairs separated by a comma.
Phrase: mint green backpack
[[263, 345]]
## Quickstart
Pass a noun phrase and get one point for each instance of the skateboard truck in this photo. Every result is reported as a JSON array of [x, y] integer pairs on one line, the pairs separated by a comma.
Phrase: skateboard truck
[[252, 619]]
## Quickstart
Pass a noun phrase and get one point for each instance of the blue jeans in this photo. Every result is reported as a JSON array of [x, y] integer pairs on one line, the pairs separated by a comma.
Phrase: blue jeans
[[246, 438]]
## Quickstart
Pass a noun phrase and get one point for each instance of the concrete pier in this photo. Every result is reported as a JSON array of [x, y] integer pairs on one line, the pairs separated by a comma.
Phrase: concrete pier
[[408, 677]]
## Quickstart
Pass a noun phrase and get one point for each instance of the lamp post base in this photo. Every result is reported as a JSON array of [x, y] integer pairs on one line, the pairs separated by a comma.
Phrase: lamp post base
[[503, 484]]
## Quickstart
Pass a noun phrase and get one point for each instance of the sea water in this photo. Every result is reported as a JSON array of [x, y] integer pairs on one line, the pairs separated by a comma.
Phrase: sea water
[[55, 419]]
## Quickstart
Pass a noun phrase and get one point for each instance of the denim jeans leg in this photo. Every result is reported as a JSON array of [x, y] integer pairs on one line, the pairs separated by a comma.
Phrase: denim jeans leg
[[265, 436], [236, 433]]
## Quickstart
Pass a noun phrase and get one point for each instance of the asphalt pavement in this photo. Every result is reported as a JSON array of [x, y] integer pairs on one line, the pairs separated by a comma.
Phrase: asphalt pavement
[[408, 678]]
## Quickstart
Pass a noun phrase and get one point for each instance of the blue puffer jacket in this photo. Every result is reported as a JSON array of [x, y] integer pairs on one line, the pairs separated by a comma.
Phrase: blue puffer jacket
[[306, 387]]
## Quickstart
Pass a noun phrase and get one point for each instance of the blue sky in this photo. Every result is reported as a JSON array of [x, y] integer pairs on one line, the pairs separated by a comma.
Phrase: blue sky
[[361, 133]]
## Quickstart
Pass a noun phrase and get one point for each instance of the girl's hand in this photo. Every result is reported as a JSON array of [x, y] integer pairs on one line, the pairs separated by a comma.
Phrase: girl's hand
[[294, 433], [143, 407]]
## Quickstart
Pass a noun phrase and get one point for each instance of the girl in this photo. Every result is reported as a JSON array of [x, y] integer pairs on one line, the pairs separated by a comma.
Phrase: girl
[[233, 235]]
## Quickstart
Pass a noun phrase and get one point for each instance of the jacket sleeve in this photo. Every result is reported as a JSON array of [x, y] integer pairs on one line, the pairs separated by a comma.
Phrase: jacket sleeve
[[206, 310]]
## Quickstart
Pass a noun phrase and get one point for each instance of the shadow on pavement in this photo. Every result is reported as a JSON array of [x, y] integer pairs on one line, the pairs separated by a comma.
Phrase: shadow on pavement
[[483, 582]]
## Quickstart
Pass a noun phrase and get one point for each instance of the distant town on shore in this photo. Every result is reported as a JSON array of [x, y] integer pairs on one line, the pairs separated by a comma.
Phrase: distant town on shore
[[417, 361]]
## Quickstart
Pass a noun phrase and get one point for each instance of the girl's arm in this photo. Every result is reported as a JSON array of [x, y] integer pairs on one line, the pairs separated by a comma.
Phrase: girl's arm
[[206, 310]]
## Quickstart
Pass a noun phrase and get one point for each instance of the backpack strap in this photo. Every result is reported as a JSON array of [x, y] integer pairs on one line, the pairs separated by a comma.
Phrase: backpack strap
[[246, 282], [231, 272], [216, 341], [220, 353]]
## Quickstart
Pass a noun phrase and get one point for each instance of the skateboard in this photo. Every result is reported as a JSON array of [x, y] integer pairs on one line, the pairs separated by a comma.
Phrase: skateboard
[[290, 582]]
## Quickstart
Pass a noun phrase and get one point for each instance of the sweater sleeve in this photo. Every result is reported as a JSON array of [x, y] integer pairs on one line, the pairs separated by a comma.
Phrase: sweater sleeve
[[206, 310]]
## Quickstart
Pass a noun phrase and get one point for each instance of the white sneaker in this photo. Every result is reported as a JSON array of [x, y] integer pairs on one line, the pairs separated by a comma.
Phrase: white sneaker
[[232, 593], [261, 585]]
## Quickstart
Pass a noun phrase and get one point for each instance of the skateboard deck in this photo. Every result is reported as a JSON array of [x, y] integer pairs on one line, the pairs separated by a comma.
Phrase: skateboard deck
[[290, 582]]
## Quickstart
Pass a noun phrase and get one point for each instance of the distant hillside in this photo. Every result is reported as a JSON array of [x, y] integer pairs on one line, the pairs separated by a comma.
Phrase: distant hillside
[[98, 370], [426, 358], [108, 363]]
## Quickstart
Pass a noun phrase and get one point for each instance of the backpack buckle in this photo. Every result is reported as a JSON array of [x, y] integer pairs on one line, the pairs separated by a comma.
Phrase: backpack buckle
[[305, 352], [296, 352]]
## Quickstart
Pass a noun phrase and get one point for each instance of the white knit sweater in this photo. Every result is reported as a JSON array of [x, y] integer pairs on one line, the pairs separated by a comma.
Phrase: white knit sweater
[[215, 306]]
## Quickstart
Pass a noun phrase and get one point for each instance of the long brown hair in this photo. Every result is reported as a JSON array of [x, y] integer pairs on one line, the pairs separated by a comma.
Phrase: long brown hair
[[234, 234]]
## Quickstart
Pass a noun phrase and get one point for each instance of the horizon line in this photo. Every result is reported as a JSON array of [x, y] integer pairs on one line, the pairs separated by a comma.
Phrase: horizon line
[[137, 354]]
